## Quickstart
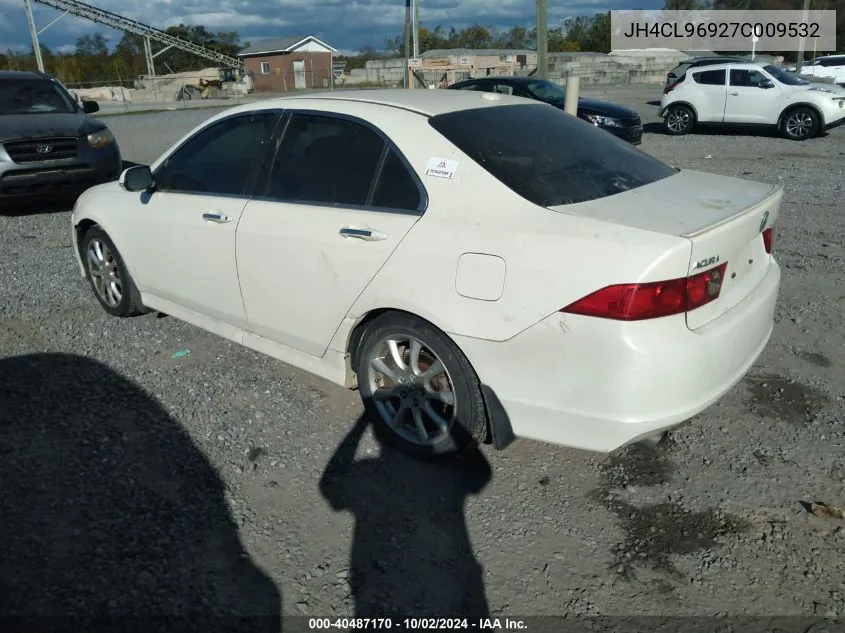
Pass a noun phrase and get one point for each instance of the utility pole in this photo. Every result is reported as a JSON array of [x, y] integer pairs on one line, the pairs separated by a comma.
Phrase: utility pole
[[800, 61], [407, 43], [36, 47], [416, 28], [542, 41]]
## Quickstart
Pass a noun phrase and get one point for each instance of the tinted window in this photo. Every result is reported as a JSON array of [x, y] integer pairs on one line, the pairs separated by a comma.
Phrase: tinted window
[[396, 188], [547, 156], [218, 159], [747, 78], [475, 86], [33, 96], [711, 77], [504, 89], [325, 159]]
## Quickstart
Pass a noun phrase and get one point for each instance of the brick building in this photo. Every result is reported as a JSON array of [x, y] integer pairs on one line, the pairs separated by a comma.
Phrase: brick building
[[289, 63]]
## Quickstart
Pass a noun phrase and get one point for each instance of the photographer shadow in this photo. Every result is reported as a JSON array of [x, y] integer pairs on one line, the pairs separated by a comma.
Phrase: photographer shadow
[[411, 553]]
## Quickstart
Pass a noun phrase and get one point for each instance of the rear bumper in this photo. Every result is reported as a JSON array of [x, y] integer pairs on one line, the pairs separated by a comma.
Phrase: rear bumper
[[598, 385], [39, 180]]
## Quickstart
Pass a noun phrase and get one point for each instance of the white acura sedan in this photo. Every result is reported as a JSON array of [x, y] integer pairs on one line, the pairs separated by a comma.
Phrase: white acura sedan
[[478, 266]]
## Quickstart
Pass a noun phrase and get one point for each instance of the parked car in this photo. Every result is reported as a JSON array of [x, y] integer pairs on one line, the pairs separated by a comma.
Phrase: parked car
[[696, 62], [472, 263], [827, 67], [751, 94], [618, 120], [48, 144]]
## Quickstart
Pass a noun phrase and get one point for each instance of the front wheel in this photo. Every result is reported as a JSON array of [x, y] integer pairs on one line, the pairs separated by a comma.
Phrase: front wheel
[[108, 276], [419, 388], [679, 120], [800, 124]]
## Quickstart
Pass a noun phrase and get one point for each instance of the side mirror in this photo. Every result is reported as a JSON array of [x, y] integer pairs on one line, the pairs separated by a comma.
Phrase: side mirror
[[766, 84], [137, 178], [90, 107]]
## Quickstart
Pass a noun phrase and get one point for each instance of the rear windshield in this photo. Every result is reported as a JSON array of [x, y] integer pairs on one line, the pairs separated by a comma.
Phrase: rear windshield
[[548, 156]]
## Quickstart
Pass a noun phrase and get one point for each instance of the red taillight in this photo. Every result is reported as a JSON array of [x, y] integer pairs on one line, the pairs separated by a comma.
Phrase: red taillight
[[768, 236], [636, 302], [672, 86]]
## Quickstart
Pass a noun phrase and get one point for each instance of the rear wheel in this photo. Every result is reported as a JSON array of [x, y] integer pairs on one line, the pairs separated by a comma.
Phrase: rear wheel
[[679, 120], [800, 124], [419, 388], [108, 276]]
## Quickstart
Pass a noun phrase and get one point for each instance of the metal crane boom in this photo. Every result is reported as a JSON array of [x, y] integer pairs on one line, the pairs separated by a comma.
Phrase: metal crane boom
[[115, 21]]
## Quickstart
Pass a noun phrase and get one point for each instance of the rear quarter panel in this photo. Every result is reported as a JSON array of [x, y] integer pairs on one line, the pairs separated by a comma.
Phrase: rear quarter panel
[[551, 259]]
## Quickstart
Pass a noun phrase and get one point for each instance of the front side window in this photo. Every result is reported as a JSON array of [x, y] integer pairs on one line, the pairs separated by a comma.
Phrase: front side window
[[326, 160], [217, 160], [547, 156], [34, 96], [747, 78]]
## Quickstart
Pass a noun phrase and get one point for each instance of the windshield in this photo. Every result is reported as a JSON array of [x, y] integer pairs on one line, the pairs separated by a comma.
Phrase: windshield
[[785, 77], [33, 96], [546, 90], [547, 156]]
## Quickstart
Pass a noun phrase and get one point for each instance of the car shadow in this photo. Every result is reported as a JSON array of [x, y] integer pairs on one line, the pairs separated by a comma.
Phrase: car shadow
[[56, 203], [411, 553], [655, 102], [109, 509]]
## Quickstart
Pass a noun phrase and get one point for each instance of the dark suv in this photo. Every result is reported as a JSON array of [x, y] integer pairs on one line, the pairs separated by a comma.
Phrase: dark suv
[[49, 146]]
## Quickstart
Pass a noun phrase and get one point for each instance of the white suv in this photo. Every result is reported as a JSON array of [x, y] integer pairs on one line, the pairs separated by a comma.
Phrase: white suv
[[829, 66], [751, 94]]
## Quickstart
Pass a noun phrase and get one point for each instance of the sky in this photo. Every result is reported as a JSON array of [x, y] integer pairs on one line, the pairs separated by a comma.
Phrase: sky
[[344, 24]]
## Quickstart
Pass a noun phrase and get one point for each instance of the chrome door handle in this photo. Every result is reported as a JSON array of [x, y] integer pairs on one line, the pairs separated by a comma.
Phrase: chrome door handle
[[362, 234], [214, 216]]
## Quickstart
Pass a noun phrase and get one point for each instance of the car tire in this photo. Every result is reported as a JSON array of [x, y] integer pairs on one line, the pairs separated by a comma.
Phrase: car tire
[[678, 120], [800, 124], [106, 272], [398, 398]]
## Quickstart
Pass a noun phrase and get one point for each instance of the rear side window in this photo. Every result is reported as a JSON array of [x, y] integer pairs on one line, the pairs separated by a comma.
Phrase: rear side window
[[548, 156], [711, 77]]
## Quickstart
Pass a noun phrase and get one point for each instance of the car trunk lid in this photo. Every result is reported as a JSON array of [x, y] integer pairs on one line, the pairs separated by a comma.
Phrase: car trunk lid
[[722, 217]]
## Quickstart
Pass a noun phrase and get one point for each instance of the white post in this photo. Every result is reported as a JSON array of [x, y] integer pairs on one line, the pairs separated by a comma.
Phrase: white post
[[754, 40], [36, 47], [570, 104]]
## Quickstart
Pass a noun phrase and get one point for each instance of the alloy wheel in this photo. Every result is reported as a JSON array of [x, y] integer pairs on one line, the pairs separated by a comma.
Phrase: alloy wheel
[[678, 120], [412, 389], [105, 274], [799, 124]]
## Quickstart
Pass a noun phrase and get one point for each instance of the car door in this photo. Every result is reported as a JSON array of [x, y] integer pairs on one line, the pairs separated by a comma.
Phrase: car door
[[711, 93], [187, 225], [753, 97], [338, 199]]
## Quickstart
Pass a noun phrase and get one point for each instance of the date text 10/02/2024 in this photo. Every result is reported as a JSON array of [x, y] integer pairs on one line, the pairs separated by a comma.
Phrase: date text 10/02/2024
[[415, 624]]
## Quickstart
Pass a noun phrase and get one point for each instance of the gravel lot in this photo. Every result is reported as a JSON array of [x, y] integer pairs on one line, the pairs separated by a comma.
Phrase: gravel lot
[[135, 482]]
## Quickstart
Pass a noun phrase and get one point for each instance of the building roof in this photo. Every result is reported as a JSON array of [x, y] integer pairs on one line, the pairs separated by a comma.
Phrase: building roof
[[281, 45]]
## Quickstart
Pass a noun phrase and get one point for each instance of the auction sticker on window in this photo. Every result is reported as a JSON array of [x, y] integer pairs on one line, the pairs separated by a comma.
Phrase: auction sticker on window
[[441, 167]]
